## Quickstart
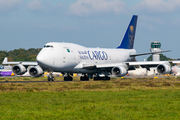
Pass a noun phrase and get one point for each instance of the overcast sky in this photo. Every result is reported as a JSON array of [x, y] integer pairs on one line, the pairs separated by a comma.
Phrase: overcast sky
[[91, 23]]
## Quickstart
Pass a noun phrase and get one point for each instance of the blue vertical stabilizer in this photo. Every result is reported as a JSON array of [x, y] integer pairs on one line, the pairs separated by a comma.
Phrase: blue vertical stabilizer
[[128, 39]]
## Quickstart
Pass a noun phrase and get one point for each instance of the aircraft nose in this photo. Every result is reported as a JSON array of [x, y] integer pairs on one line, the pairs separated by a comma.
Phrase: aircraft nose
[[40, 59]]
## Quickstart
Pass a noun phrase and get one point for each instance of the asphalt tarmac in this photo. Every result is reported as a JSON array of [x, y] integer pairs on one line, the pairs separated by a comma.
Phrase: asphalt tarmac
[[31, 81], [153, 76]]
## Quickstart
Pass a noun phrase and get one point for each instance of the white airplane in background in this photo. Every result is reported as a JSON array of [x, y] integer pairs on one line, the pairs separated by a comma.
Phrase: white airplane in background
[[176, 70], [69, 58]]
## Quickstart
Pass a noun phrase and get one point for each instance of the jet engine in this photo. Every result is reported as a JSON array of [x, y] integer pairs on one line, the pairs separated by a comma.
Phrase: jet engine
[[119, 71], [19, 69], [36, 71], [164, 68]]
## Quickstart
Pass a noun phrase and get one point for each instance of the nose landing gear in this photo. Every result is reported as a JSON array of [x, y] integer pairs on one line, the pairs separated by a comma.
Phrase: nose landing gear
[[50, 77]]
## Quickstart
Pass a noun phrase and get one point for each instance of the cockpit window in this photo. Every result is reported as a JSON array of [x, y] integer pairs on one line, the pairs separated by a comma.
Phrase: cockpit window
[[48, 46]]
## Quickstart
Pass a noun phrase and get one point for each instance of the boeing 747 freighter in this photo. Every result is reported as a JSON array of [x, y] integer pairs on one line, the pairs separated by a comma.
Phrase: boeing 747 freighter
[[69, 58]]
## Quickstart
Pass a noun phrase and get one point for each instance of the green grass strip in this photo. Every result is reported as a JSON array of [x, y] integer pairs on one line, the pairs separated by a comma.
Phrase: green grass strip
[[91, 105]]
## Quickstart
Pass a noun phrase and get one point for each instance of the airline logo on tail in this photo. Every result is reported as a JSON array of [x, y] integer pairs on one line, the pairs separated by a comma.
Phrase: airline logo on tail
[[131, 35], [128, 39]]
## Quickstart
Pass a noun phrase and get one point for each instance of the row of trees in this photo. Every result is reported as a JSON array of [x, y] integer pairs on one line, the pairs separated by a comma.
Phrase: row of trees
[[162, 58], [20, 54]]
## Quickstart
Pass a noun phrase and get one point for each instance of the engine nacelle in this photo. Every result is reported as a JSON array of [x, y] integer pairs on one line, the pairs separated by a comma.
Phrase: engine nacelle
[[164, 68], [119, 71], [36, 71], [19, 69]]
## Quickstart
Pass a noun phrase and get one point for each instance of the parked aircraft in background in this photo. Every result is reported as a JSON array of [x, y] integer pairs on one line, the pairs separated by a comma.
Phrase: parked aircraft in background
[[69, 58], [176, 70], [6, 71]]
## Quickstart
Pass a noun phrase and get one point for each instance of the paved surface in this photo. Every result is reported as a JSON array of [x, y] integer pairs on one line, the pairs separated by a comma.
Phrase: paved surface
[[150, 76], [31, 81], [159, 76]]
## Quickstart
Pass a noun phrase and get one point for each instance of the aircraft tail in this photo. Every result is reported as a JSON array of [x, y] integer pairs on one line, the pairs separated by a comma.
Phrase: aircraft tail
[[5, 60], [128, 39]]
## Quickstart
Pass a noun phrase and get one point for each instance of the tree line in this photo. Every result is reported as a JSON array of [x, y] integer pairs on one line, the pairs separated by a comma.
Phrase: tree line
[[20, 54], [162, 58]]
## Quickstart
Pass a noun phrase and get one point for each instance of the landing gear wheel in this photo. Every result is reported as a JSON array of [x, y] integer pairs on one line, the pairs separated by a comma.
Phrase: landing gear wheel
[[69, 78], [50, 78], [107, 78], [84, 78], [96, 78]]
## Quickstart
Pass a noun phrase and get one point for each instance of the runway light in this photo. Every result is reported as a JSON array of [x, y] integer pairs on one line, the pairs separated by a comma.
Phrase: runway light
[[155, 77]]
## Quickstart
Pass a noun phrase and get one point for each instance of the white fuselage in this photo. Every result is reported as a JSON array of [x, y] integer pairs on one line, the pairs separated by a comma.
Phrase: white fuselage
[[64, 57]]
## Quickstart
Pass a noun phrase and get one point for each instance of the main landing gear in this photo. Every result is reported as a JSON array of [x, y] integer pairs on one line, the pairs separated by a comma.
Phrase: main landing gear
[[68, 77], [105, 77], [84, 78]]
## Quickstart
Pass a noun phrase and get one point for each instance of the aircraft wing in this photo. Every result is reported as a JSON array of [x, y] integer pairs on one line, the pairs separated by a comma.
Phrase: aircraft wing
[[175, 62], [6, 62], [144, 64], [134, 55], [111, 65], [148, 63]]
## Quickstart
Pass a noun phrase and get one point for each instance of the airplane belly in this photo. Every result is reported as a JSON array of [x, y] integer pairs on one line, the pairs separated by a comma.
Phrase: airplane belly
[[84, 71]]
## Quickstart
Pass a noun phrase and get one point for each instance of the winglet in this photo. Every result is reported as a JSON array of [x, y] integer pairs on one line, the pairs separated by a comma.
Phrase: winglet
[[128, 39]]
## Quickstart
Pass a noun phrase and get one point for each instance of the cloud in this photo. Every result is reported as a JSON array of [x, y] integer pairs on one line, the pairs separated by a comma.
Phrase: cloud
[[158, 5], [60, 5], [148, 26], [40, 6], [175, 22], [152, 19], [87, 7], [35, 5], [6, 5], [150, 22]]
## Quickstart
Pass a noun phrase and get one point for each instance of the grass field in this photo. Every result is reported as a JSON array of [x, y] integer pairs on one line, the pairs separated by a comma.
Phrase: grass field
[[135, 98]]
